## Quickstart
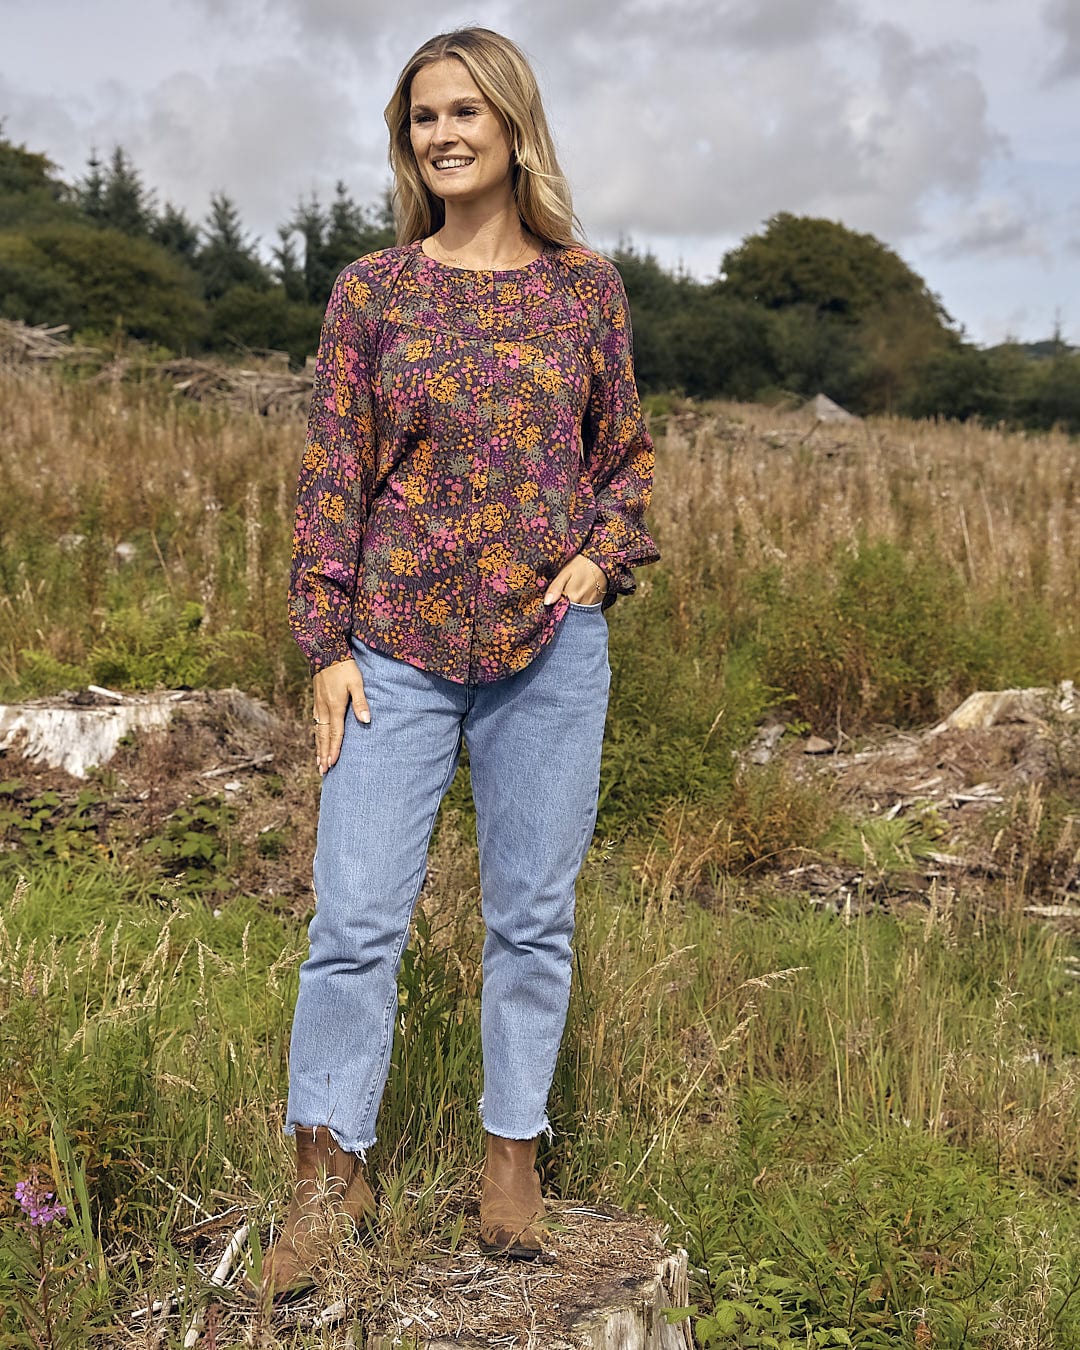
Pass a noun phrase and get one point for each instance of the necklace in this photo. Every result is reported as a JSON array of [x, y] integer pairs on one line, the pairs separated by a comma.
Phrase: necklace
[[461, 263]]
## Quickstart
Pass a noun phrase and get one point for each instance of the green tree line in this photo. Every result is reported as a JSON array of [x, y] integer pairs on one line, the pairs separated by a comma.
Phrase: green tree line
[[101, 256], [803, 306]]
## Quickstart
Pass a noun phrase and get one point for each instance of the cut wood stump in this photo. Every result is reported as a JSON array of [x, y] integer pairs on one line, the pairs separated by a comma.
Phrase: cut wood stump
[[604, 1283], [606, 1289], [75, 732]]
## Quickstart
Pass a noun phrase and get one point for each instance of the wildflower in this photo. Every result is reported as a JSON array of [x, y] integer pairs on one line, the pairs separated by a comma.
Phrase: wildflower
[[37, 1203]]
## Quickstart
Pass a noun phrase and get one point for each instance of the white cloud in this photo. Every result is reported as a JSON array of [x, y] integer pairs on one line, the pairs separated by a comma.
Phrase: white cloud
[[799, 107], [262, 134], [1063, 19], [996, 227]]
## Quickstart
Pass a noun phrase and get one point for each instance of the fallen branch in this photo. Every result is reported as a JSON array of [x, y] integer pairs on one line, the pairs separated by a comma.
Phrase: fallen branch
[[219, 1278]]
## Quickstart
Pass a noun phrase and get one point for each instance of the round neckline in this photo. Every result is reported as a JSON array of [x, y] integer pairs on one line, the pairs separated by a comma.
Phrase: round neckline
[[545, 250]]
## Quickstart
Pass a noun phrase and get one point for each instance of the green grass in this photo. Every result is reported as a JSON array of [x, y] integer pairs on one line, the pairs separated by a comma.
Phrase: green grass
[[856, 1127]]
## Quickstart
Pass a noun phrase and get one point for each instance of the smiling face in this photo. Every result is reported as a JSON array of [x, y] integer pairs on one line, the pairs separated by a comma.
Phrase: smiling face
[[461, 143]]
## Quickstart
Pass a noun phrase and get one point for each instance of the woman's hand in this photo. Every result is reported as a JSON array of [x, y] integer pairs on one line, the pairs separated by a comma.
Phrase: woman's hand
[[333, 687], [581, 581]]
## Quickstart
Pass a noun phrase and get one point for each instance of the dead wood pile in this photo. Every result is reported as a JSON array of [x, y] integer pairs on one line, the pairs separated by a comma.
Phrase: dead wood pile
[[981, 785], [22, 344], [264, 384]]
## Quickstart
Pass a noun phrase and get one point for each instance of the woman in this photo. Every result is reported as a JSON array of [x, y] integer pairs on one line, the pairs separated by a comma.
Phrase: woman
[[470, 502]]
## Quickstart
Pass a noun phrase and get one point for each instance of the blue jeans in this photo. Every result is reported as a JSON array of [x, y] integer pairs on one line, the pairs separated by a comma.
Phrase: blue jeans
[[534, 741]]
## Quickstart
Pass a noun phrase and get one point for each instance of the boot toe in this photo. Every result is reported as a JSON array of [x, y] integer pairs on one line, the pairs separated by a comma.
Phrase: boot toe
[[516, 1246]]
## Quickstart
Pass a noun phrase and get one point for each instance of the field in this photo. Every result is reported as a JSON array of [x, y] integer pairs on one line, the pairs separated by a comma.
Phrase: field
[[856, 1107]]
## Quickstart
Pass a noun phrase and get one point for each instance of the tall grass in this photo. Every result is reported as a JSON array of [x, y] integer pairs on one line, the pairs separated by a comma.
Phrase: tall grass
[[865, 1126], [862, 573], [877, 572]]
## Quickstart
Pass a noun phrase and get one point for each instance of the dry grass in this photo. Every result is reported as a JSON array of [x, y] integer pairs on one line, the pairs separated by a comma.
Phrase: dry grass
[[743, 493], [743, 487]]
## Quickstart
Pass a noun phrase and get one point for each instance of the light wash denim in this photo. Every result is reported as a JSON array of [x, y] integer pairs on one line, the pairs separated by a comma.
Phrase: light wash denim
[[534, 741]]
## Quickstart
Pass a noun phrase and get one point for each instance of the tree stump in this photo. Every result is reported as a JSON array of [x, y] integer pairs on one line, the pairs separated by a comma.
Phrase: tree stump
[[75, 732], [606, 1288]]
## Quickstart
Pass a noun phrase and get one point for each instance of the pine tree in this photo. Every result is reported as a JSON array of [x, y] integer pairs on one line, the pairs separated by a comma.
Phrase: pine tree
[[175, 231], [90, 191], [310, 222], [226, 257], [332, 238], [125, 203], [356, 230], [347, 225], [287, 267]]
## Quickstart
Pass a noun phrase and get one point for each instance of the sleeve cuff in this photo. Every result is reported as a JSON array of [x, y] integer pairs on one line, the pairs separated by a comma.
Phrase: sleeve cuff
[[620, 580], [328, 653]]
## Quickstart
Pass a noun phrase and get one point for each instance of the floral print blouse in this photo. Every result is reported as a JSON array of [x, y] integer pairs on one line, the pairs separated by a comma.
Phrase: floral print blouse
[[469, 432]]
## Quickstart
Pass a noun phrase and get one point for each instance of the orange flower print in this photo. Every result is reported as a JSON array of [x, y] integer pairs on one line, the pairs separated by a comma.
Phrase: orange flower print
[[342, 392], [315, 458], [494, 558], [495, 516], [520, 576], [403, 562], [414, 489], [525, 491], [418, 350], [332, 506], [359, 292], [444, 388], [422, 459], [432, 610], [529, 439], [509, 293], [549, 380]]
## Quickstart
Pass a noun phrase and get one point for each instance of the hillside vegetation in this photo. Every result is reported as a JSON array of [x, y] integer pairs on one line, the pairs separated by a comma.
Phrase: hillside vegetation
[[803, 306], [862, 1119]]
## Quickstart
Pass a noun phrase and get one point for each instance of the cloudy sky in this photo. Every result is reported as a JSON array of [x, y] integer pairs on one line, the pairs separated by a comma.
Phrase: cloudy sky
[[948, 128]]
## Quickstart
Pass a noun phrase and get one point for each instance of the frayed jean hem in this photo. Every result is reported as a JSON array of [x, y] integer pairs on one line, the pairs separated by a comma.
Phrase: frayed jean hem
[[514, 1132]]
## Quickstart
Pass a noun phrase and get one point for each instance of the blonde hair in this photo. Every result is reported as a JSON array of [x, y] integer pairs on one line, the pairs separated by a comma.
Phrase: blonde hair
[[505, 78]]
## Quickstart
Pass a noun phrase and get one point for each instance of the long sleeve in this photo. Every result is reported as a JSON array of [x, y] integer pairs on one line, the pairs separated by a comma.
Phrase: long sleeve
[[335, 481], [618, 449]]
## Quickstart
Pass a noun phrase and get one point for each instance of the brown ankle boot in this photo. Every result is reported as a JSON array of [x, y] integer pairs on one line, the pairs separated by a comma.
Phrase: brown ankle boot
[[330, 1184], [510, 1201]]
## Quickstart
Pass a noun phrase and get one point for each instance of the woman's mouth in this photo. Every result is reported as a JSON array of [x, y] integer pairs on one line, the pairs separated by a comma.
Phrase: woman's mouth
[[451, 162]]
